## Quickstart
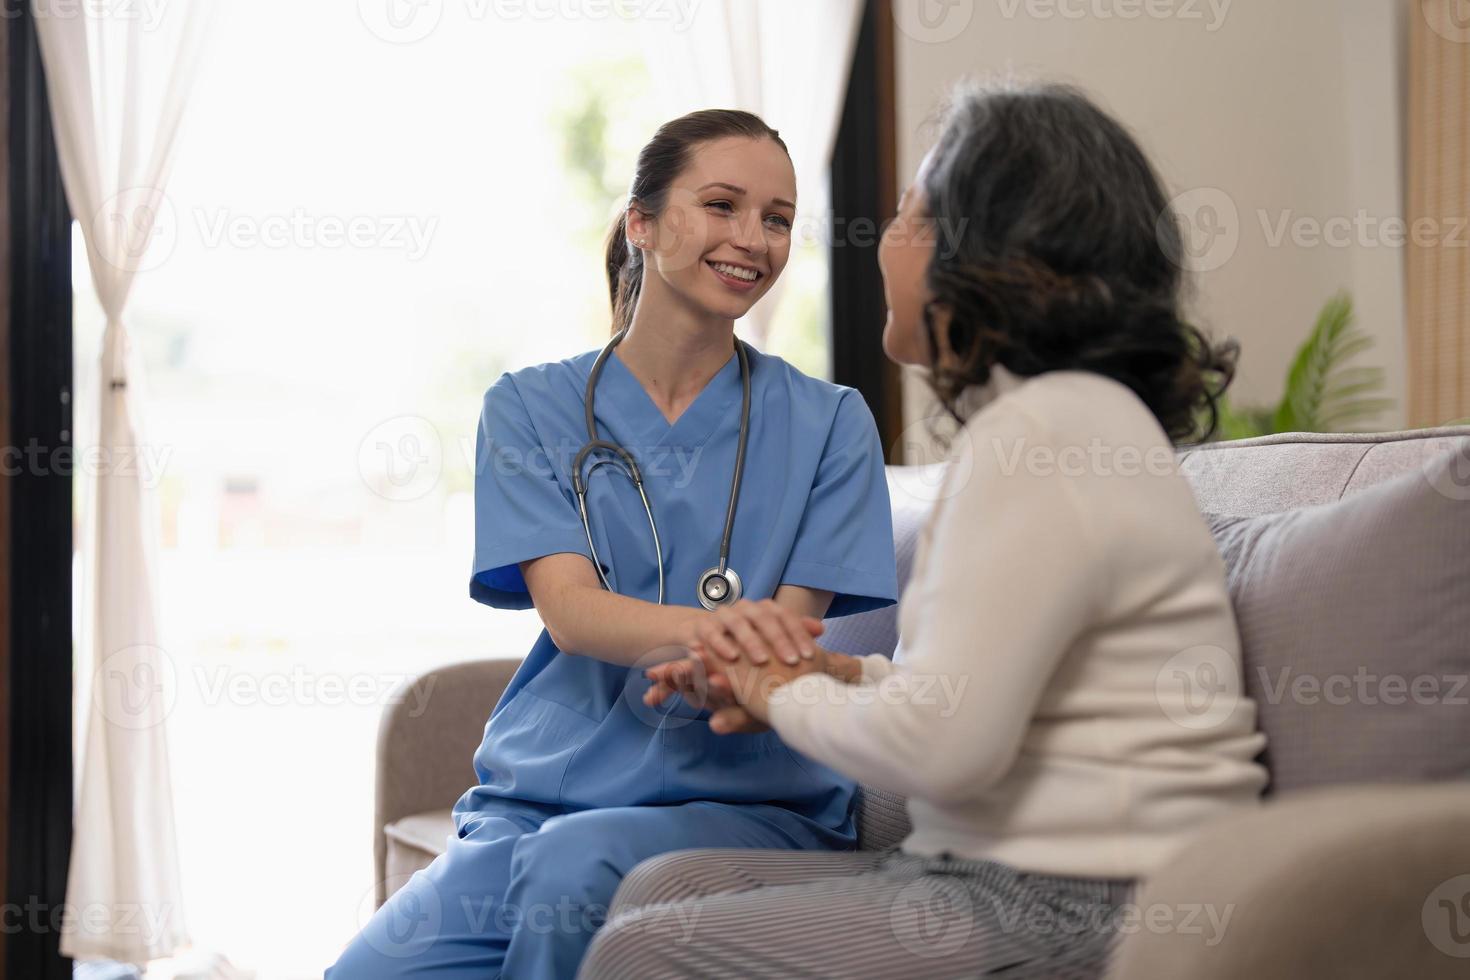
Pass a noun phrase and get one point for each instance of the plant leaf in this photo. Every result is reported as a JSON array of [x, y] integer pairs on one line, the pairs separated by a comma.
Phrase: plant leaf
[[1321, 390]]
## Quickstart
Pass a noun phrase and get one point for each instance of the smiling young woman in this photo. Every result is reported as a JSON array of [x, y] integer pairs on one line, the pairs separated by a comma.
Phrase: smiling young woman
[[579, 778]]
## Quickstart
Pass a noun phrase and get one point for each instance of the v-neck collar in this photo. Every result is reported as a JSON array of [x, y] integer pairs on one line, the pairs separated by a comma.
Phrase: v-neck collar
[[628, 401]]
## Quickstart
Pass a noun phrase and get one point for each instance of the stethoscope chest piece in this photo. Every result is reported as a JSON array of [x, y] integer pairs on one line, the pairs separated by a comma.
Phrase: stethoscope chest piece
[[718, 588]]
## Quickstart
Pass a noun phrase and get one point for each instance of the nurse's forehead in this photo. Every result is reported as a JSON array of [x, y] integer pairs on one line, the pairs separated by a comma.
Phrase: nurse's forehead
[[741, 168]]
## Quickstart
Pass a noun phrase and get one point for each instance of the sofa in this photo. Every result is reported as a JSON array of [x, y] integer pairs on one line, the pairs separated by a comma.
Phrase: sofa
[[1357, 875]]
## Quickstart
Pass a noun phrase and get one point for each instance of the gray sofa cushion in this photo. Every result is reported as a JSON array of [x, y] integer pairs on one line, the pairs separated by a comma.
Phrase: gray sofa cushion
[[911, 491], [413, 842], [882, 819], [1355, 622], [1297, 469]]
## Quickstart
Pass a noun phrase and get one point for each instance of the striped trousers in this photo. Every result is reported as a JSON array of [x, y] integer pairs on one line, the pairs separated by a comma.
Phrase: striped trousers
[[778, 914]]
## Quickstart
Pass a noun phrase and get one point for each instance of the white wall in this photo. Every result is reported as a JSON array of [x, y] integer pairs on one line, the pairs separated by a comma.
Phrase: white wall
[[1288, 107]]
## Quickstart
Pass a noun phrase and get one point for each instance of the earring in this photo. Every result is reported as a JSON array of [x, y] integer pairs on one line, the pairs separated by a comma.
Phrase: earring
[[640, 242]]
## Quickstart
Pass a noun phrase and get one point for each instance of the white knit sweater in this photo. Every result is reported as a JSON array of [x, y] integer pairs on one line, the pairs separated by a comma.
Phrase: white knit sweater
[[1066, 697]]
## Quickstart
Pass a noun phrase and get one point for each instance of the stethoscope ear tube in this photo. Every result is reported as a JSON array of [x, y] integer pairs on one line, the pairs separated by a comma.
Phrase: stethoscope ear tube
[[591, 546], [739, 460], [579, 486]]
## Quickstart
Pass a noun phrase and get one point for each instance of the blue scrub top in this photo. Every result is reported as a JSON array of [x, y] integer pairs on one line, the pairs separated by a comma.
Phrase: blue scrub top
[[813, 510]]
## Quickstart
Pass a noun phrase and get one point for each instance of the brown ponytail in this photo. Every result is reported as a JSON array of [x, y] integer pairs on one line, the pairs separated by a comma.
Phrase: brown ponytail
[[659, 162], [624, 273]]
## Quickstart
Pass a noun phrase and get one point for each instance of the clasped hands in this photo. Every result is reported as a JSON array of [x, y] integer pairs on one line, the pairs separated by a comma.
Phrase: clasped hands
[[738, 656]]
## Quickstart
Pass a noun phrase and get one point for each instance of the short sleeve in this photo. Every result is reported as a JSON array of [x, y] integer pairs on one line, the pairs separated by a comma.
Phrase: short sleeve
[[521, 511], [844, 543]]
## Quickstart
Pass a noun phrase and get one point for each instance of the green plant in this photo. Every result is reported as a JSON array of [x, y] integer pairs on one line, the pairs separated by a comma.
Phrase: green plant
[[1323, 393]]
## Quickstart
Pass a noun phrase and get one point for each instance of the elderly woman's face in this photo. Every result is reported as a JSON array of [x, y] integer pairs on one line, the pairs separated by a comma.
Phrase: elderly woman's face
[[903, 256]]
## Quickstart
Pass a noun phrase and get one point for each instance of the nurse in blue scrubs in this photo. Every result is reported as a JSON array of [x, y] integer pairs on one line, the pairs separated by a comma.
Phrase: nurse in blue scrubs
[[578, 779]]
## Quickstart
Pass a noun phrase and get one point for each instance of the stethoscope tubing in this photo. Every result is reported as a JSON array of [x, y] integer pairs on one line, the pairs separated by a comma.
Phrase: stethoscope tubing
[[630, 465], [739, 454]]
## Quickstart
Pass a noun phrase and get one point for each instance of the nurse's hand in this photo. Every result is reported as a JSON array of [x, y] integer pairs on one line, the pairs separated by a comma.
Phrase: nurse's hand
[[752, 685], [687, 677], [758, 631]]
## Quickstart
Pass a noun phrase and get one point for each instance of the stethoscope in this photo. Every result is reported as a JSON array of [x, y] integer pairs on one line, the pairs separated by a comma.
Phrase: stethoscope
[[718, 586]]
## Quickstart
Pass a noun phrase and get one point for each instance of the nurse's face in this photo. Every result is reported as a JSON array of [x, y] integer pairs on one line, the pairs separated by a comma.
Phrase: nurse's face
[[904, 254], [724, 234]]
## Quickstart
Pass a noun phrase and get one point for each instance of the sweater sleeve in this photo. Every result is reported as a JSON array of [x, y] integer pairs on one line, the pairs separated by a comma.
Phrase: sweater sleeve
[[875, 667], [1012, 578]]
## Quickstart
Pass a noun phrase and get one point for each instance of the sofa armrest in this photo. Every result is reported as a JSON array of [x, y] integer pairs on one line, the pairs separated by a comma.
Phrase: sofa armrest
[[426, 741], [882, 819], [1341, 882]]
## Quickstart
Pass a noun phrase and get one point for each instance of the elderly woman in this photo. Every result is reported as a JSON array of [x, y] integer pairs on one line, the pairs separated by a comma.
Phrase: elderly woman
[[1064, 574]]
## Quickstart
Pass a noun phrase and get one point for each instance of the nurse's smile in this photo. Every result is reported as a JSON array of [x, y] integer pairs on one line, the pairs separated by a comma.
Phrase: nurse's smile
[[737, 276]]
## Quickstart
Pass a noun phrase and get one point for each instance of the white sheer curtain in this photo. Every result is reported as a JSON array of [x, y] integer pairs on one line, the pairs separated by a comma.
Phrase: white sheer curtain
[[787, 62], [118, 78]]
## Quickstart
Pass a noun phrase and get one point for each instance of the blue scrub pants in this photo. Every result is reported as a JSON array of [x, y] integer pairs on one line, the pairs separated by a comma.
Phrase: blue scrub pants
[[522, 889]]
